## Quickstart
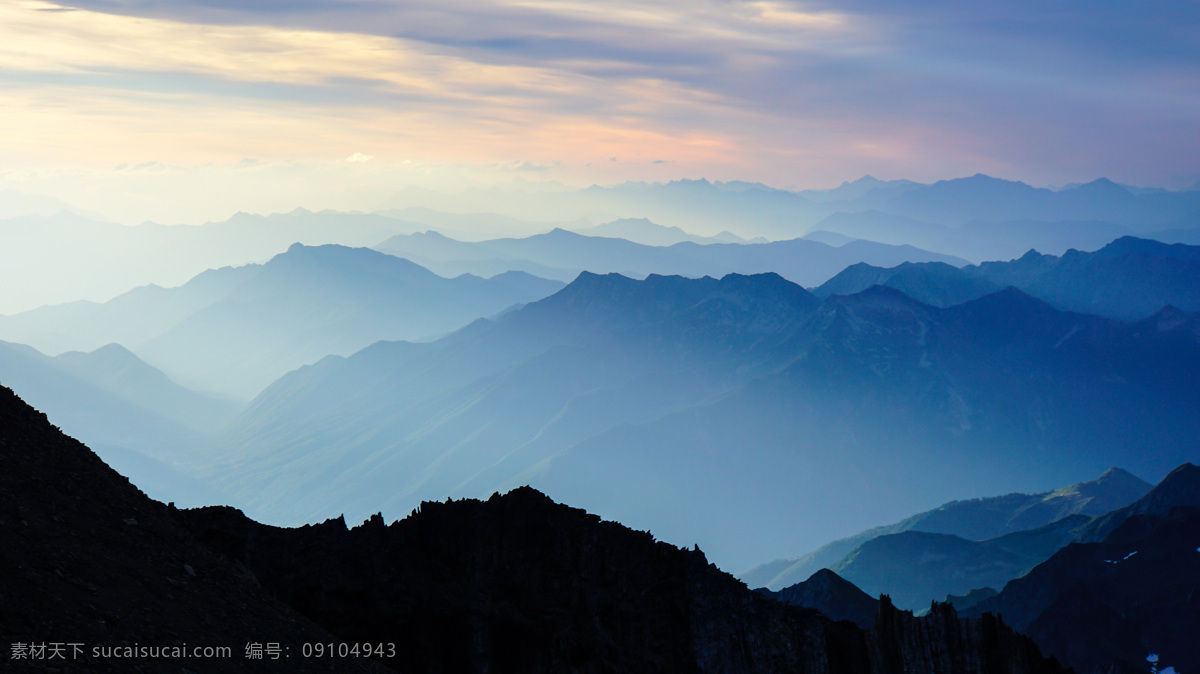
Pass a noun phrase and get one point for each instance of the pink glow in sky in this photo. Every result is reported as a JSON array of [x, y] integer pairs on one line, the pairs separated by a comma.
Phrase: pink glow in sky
[[445, 93]]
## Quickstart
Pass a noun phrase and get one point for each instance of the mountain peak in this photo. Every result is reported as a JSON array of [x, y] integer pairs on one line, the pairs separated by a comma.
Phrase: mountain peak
[[834, 596], [1180, 487], [1116, 474], [1103, 186]]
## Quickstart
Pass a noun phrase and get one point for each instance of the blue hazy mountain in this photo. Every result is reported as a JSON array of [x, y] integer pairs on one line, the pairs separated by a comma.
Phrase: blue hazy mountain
[[81, 259], [563, 255], [751, 210], [981, 197], [647, 233], [976, 519], [130, 319], [1131, 592], [117, 370], [234, 330], [1129, 278], [979, 240], [135, 418], [726, 411], [916, 568]]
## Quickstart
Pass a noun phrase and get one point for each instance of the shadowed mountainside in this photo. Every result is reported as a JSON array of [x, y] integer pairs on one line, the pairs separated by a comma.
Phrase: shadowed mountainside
[[1128, 279], [87, 558], [976, 519], [719, 411], [1133, 590], [514, 584], [832, 595]]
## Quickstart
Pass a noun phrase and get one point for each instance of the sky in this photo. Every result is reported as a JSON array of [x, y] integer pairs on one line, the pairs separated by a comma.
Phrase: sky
[[190, 110]]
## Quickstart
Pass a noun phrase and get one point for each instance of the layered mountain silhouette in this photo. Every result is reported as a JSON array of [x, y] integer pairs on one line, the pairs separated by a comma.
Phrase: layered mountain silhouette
[[84, 259], [980, 240], [977, 218], [561, 254], [235, 330], [645, 232], [833, 596], [516, 583], [976, 519], [721, 411], [134, 416], [89, 559], [1106, 605], [916, 568], [1129, 278], [750, 209]]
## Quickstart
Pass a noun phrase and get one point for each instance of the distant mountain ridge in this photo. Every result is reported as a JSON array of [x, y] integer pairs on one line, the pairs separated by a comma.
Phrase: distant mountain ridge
[[751, 209], [563, 255], [1129, 278], [977, 519], [976, 218], [916, 568], [684, 392], [79, 259], [645, 232], [235, 330], [137, 419], [1103, 605], [516, 583]]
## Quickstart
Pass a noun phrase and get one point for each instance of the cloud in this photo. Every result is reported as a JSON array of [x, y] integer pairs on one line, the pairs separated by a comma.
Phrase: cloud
[[359, 157], [773, 88]]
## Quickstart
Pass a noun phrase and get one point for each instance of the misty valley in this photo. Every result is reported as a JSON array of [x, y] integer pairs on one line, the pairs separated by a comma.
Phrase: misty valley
[[688, 426]]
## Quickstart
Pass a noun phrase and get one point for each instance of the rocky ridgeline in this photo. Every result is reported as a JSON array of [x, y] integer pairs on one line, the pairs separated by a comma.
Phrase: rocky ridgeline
[[514, 584], [87, 561], [519, 583]]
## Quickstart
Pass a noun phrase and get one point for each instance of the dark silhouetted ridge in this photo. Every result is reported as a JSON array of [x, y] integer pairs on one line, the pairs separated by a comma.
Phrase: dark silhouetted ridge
[[87, 558], [519, 583], [832, 595]]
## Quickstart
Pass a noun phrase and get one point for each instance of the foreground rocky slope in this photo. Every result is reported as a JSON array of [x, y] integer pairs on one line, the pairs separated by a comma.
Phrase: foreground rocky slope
[[514, 584], [519, 583], [86, 558]]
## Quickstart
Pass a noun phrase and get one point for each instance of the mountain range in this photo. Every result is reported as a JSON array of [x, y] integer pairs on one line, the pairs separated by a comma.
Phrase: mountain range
[[1133, 590], [960, 523], [752, 209], [1129, 278], [60, 258], [641, 230], [137, 419], [235, 330], [719, 411], [1121, 598], [976, 218], [514, 584], [563, 255]]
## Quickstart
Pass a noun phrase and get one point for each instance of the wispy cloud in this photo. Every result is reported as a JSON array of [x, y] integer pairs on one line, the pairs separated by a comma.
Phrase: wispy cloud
[[775, 90]]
